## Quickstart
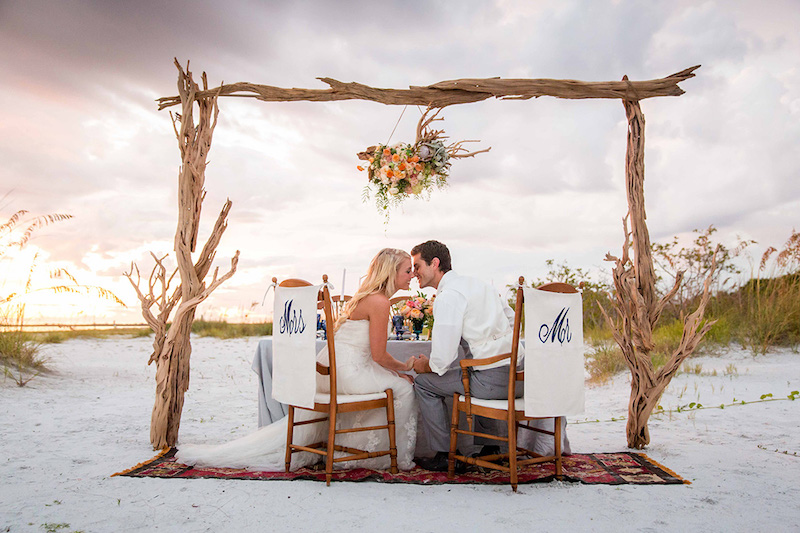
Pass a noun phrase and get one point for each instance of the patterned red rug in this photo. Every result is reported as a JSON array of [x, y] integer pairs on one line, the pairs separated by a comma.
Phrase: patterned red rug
[[593, 468]]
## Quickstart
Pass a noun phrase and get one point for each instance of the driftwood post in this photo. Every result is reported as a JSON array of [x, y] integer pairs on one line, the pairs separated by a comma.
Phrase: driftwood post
[[637, 306], [172, 347]]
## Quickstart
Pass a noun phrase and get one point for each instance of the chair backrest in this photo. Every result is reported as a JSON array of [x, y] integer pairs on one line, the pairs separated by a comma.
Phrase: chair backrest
[[398, 299], [294, 340], [337, 304], [330, 322], [396, 303], [554, 366], [517, 329]]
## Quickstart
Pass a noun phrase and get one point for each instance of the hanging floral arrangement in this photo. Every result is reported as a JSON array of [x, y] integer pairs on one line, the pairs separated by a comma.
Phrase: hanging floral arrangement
[[403, 170]]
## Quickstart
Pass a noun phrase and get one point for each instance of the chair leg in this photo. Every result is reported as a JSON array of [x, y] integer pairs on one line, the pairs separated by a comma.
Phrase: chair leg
[[331, 444], [451, 457], [512, 449], [290, 431], [390, 422], [557, 437]]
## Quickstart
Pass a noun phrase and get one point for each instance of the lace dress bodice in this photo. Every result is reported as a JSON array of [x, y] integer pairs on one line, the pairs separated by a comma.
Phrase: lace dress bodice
[[351, 344]]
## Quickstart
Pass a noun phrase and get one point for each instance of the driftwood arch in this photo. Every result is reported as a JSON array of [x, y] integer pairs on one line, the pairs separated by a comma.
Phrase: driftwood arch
[[637, 308]]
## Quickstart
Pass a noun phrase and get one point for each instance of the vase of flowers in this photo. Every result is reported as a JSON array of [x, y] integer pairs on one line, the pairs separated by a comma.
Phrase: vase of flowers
[[419, 311]]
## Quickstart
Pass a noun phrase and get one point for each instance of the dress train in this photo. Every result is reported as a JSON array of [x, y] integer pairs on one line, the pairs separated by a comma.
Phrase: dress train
[[357, 373]]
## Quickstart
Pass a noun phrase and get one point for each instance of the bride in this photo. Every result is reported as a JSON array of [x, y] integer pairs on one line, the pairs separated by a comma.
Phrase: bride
[[363, 366]]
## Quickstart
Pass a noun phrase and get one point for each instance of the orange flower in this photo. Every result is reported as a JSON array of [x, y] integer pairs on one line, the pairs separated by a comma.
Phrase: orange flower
[[386, 151], [389, 173], [402, 166], [414, 159], [371, 159], [359, 167], [395, 158], [418, 167]]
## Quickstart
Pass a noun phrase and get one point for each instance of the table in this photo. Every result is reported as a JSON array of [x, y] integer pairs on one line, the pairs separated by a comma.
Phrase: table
[[271, 410]]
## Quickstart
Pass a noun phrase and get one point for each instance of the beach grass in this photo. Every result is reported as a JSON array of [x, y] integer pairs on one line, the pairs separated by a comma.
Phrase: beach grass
[[202, 328], [225, 330], [61, 335], [21, 358]]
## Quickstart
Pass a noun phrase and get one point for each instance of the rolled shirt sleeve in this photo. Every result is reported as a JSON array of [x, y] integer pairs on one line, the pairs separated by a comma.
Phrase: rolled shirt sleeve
[[448, 308]]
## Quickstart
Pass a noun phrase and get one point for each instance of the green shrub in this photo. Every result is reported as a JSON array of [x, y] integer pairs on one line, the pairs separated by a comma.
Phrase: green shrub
[[721, 333], [597, 334], [604, 362]]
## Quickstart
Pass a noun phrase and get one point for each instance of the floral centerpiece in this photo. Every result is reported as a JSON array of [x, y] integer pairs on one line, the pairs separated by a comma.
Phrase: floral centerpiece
[[419, 310], [402, 170]]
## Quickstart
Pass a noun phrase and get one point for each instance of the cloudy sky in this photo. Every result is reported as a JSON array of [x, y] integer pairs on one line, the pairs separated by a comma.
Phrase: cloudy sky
[[80, 134]]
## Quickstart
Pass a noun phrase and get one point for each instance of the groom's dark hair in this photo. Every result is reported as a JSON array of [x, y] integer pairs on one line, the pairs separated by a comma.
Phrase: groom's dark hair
[[430, 249]]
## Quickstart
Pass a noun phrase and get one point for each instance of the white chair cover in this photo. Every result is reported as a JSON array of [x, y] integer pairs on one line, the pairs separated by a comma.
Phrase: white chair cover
[[294, 332], [554, 368]]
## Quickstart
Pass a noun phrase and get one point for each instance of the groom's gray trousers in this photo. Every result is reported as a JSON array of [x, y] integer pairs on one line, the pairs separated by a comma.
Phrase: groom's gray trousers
[[432, 390]]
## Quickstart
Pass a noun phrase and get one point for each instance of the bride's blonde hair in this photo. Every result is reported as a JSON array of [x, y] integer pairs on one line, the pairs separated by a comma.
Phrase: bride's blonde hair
[[380, 278]]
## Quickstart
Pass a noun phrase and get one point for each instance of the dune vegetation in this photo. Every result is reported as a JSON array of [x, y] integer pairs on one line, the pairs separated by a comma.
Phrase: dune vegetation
[[19, 349], [758, 313], [757, 310]]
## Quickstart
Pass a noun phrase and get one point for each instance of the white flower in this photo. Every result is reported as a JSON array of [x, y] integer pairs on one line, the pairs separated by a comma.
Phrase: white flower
[[393, 191]]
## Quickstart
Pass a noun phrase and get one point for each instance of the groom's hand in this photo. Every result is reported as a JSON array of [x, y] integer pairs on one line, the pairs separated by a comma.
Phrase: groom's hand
[[421, 365]]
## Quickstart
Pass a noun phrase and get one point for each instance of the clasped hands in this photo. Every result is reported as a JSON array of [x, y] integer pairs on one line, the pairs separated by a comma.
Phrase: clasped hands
[[419, 364]]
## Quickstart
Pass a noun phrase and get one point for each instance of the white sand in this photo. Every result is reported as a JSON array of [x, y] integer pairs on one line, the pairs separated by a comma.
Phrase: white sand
[[64, 435]]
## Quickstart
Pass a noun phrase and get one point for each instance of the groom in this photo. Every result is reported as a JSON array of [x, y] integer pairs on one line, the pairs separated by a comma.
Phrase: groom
[[466, 312]]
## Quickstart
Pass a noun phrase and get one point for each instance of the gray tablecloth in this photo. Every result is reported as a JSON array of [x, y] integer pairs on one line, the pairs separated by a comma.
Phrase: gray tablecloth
[[270, 410]]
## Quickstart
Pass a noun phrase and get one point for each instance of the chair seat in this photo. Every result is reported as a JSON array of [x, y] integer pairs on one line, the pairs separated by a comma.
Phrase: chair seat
[[325, 397], [519, 403]]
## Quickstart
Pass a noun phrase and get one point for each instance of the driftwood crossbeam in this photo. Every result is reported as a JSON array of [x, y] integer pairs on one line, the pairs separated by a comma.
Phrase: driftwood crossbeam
[[636, 305], [445, 93]]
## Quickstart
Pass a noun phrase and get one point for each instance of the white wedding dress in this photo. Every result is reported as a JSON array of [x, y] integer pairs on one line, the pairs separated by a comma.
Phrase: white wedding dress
[[357, 373]]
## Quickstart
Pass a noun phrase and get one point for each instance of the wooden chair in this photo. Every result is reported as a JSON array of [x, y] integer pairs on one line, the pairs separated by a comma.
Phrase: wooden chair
[[337, 304], [396, 304], [332, 404], [396, 301], [511, 410]]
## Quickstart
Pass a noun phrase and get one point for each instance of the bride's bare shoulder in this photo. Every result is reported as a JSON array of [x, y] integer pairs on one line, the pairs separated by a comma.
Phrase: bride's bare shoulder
[[369, 306], [375, 301]]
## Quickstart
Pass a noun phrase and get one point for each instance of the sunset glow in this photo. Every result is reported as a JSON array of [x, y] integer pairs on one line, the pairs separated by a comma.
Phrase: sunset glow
[[82, 135]]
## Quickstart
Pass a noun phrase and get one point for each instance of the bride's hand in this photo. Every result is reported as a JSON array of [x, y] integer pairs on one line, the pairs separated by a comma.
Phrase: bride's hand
[[410, 363]]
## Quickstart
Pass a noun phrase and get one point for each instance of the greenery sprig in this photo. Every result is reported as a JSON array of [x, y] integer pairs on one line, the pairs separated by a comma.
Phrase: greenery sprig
[[694, 406]]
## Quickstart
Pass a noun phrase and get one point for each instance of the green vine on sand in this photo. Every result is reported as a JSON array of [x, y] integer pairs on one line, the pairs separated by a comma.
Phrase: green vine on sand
[[784, 452], [693, 406]]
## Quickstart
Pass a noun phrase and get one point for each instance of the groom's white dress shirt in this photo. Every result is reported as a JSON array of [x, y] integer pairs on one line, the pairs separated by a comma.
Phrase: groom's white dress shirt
[[467, 308]]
